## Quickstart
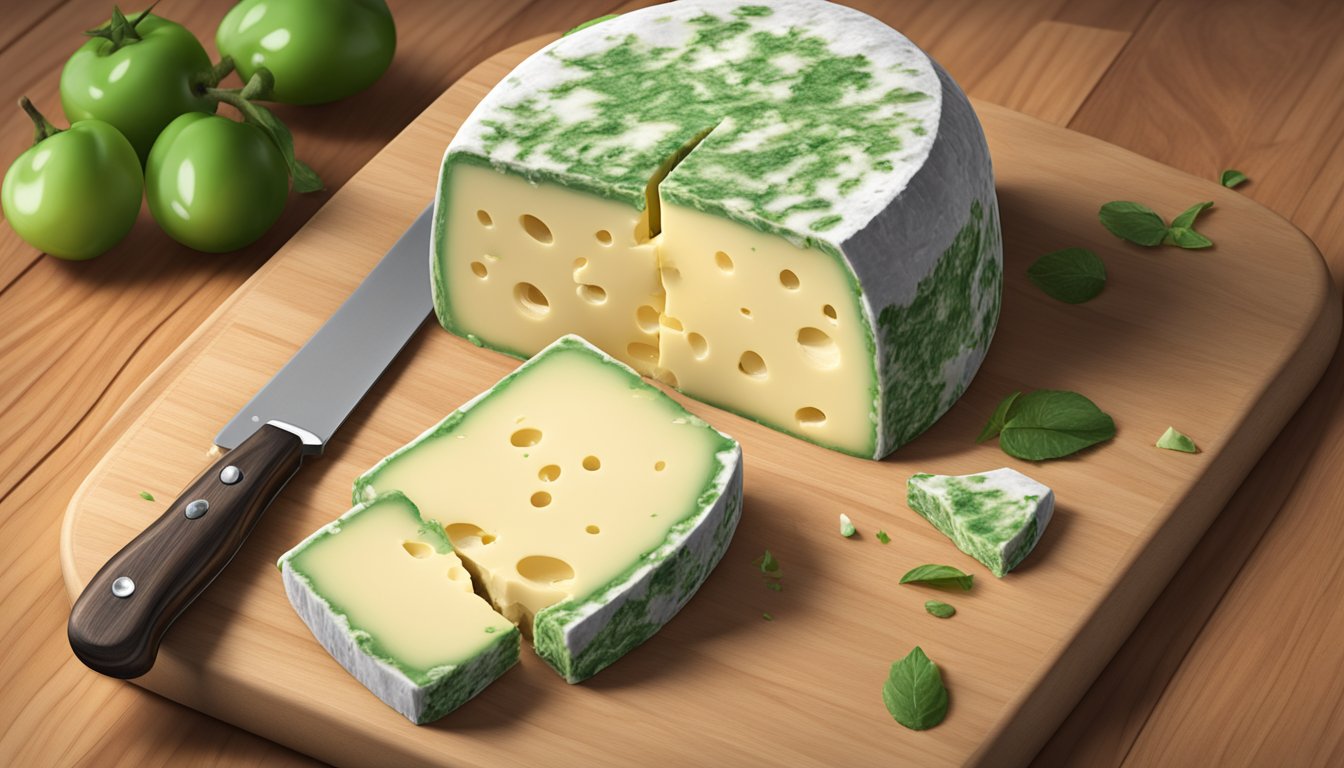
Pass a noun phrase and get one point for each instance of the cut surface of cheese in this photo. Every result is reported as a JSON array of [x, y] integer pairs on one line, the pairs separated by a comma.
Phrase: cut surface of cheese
[[786, 210], [382, 590], [587, 504], [996, 517]]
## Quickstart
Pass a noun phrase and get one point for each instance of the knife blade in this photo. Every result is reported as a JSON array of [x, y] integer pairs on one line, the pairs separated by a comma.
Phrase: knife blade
[[121, 617]]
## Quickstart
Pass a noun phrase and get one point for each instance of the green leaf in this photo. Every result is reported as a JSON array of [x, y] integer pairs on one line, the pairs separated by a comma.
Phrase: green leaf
[[305, 180], [846, 526], [1073, 275], [883, 537], [914, 692], [767, 563], [766, 615], [1233, 178], [940, 609], [1187, 238], [1176, 441], [1134, 222], [1188, 216], [1049, 424], [146, 495], [997, 419], [938, 576]]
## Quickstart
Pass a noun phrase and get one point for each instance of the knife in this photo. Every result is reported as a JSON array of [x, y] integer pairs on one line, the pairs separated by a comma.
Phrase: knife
[[120, 618]]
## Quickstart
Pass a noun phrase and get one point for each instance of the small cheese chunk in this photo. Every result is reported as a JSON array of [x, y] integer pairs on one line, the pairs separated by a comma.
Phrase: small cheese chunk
[[996, 517], [587, 504], [382, 590]]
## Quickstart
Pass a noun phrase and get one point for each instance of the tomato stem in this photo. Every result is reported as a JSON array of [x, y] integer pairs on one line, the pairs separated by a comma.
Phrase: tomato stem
[[259, 87], [43, 127], [120, 31]]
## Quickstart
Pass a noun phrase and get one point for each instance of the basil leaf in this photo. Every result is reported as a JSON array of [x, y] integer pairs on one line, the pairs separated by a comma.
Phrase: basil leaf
[[1048, 424], [914, 692], [1176, 441], [940, 609], [1187, 238], [846, 526], [997, 419], [1187, 217], [1134, 222], [938, 576], [883, 537], [1232, 178], [1073, 275], [146, 495]]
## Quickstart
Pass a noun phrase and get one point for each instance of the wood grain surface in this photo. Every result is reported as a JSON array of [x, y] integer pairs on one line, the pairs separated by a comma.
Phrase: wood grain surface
[[1241, 349], [1246, 84]]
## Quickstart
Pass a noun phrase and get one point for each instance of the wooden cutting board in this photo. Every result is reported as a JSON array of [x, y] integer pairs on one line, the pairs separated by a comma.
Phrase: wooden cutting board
[[1222, 343]]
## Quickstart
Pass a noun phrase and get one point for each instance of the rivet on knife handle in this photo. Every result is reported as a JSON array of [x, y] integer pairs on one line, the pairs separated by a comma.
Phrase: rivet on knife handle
[[120, 618]]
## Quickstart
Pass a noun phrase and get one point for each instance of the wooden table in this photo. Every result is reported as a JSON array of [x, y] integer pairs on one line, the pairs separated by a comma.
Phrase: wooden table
[[1238, 662]]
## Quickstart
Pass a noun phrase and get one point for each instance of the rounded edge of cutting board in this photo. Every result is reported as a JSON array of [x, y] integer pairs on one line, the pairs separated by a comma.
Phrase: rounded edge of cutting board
[[1318, 319]]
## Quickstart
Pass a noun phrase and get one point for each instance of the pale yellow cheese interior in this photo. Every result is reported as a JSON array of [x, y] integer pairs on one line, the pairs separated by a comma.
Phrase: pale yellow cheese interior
[[725, 313], [545, 500], [416, 602]]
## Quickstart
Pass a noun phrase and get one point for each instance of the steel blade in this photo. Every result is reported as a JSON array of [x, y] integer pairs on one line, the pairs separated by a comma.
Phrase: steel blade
[[325, 379]]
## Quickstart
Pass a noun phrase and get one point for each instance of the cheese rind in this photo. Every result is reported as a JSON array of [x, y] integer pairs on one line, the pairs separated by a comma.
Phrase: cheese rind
[[382, 591], [588, 504], [798, 126], [996, 517]]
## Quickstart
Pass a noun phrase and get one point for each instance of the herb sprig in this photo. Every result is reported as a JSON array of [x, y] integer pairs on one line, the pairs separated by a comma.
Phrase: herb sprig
[[1047, 424]]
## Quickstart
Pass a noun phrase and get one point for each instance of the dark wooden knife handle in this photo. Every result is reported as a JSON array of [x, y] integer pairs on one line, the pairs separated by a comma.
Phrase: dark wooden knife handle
[[118, 621]]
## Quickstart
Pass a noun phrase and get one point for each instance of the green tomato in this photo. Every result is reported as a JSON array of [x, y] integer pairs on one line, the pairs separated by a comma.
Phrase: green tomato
[[74, 194], [140, 86], [215, 184], [318, 50]]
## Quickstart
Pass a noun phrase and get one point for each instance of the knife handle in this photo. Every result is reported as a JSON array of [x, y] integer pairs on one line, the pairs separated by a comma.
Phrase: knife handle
[[118, 621]]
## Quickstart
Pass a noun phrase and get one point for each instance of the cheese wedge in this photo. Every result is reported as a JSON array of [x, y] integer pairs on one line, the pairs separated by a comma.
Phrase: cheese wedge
[[383, 592], [996, 517], [584, 501], [784, 209]]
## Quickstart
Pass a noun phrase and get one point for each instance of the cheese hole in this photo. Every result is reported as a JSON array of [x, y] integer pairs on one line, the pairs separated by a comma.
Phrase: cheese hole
[[466, 535], [829, 312], [788, 280], [549, 473], [699, 347], [522, 438], [544, 570], [745, 312], [531, 299], [668, 377], [724, 262], [536, 229], [810, 417], [417, 549], [752, 365], [485, 219], [579, 263], [659, 466], [670, 275], [671, 323], [478, 269], [643, 352], [593, 529], [604, 237], [592, 463], [541, 499], [818, 347], [593, 294], [647, 317]]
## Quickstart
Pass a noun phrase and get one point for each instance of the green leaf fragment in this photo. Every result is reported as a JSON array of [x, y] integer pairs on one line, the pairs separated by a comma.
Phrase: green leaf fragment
[[146, 495], [883, 537], [997, 419], [1073, 275], [775, 586], [846, 526], [767, 563], [1176, 441], [1050, 424], [766, 615], [938, 576], [1134, 222], [1233, 178], [914, 692], [1188, 216], [940, 609]]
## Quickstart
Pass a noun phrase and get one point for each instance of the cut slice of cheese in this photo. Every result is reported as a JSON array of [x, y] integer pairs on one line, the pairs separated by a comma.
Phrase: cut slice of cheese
[[786, 210], [996, 517], [382, 590], [587, 504]]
